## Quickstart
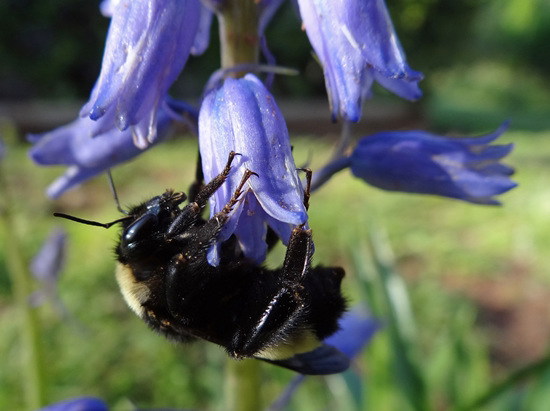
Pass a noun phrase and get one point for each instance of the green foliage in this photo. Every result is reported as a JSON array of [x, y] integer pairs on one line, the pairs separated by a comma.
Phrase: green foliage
[[433, 352]]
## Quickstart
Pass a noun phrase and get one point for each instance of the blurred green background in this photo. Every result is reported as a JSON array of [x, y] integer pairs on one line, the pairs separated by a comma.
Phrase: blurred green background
[[478, 307]]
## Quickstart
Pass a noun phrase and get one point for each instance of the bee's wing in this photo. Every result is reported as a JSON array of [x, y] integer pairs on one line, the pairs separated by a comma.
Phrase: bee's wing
[[323, 360]]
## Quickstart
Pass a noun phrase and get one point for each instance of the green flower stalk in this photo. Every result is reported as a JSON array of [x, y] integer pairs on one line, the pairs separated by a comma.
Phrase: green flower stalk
[[30, 349], [238, 21], [242, 386]]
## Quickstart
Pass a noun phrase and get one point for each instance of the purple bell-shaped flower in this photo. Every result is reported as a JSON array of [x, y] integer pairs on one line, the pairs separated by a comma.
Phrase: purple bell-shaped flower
[[420, 162], [147, 46], [242, 116], [357, 45], [88, 148]]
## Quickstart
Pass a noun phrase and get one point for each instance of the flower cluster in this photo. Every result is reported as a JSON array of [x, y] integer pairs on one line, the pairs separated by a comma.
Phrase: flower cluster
[[147, 46]]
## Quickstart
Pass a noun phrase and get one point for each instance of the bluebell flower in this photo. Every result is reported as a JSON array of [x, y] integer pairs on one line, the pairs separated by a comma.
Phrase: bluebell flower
[[46, 267], [89, 148], [357, 45], [147, 46], [419, 162], [357, 327], [242, 116], [78, 404]]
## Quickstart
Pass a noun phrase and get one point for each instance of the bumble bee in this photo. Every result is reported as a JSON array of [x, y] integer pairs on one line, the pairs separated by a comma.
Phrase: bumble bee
[[280, 316]]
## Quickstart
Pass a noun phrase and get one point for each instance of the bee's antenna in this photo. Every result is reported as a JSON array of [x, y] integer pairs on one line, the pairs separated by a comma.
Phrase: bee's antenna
[[90, 222], [113, 192]]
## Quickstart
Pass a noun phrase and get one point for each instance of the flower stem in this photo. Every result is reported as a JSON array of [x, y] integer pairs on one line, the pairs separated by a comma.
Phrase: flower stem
[[321, 176], [238, 22], [242, 391], [343, 142], [30, 348]]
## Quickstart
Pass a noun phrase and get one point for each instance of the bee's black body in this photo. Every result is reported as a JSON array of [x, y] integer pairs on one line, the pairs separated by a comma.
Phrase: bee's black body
[[280, 316]]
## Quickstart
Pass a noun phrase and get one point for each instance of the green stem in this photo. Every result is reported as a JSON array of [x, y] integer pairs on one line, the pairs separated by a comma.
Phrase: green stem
[[238, 23], [30, 348], [242, 391]]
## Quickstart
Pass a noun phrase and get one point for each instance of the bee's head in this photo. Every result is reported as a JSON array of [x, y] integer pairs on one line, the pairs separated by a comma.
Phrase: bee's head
[[143, 226], [144, 233]]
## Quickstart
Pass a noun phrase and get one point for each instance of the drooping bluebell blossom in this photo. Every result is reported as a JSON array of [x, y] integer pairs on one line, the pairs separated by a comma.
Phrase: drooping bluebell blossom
[[46, 267], [147, 46], [89, 148], [418, 162], [468, 169], [242, 116], [78, 404], [357, 328], [357, 44]]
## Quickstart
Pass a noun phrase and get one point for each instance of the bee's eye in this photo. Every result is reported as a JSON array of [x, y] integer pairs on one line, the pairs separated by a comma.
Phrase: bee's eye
[[140, 228]]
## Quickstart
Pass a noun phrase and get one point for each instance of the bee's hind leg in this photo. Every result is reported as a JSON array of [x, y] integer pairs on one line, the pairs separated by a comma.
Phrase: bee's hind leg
[[300, 246]]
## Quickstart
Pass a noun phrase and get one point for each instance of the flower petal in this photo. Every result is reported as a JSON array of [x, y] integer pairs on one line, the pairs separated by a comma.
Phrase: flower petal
[[420, 162]]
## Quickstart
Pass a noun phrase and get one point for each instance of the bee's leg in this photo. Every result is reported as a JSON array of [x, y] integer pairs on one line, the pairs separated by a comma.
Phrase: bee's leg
[[286, 308], [213, 226], [300, 246], [192, 211], [298, 255], [198, 185], [207, 191], [321, 284], [284, 315], [205, 234]]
